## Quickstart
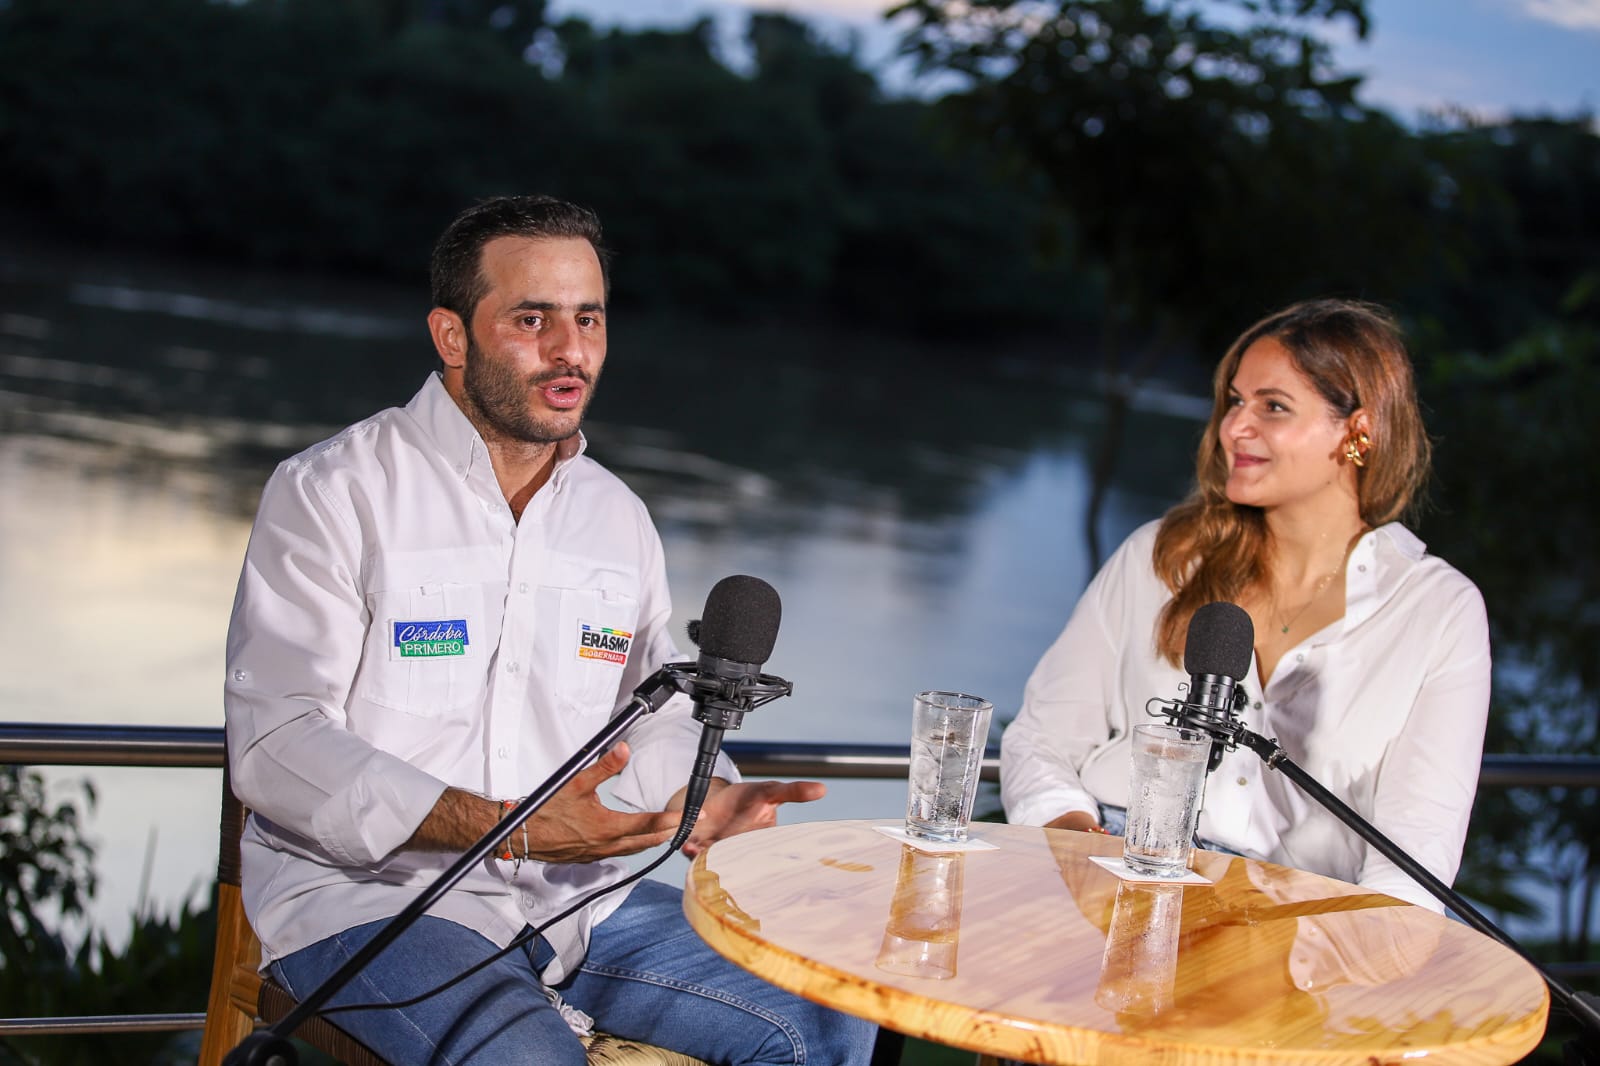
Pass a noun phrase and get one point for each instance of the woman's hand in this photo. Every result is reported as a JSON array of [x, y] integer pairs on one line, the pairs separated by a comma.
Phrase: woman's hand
[[1081, 821]]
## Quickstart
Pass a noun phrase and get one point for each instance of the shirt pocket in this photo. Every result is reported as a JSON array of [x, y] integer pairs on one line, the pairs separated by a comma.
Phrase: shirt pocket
[[594, 642], [425, 652]]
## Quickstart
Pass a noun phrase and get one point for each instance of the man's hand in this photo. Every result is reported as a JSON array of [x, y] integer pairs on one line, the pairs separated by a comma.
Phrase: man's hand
[[573, 827], [733, 809], [576, 827]]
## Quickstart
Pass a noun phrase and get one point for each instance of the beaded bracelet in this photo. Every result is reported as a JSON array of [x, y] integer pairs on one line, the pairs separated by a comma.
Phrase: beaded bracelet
[[507, 856]]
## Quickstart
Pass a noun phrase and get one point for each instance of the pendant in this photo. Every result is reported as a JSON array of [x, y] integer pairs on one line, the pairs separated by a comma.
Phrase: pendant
[[1286, 629]]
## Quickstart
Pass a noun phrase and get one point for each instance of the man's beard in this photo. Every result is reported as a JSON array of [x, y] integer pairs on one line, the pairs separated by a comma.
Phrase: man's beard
[[502, 400]]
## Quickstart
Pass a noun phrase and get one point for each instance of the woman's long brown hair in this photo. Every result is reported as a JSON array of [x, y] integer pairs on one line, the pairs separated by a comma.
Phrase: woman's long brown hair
[[1209, 548]]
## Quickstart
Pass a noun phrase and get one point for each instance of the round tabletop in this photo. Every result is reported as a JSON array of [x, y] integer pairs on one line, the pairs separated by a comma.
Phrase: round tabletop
[[1023, 947]]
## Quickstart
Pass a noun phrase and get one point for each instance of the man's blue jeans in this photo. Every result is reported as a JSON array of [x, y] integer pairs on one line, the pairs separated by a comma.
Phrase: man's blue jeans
[[647, 977]]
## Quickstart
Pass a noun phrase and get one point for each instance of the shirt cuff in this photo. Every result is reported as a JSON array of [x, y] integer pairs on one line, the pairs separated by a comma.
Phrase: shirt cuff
[[379, 811], [1048, 806], [1393, 881]]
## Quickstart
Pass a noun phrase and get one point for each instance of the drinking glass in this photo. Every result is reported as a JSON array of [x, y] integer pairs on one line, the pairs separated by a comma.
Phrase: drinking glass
[[1169, 769], [949, 731]]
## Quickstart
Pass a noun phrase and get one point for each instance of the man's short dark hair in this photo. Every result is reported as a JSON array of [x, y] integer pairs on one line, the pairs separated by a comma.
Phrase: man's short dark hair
[[456, 269]]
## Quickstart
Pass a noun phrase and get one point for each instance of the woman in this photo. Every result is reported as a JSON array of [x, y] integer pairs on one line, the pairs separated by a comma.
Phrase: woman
[[1371, 663]]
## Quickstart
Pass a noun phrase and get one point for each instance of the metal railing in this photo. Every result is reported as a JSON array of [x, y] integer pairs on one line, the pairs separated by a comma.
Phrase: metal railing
[[49, 744]]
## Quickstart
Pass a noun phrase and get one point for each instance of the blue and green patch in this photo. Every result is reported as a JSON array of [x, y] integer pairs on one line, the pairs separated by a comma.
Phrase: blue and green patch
[[431, 640]]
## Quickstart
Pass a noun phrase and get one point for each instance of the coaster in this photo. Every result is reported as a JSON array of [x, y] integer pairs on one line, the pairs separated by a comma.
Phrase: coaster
[[972, 843], [1114, 864]]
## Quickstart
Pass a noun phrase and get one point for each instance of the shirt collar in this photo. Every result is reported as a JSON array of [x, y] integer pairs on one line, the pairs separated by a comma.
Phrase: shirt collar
[[458, 440], [1378, 565], [436, 412]]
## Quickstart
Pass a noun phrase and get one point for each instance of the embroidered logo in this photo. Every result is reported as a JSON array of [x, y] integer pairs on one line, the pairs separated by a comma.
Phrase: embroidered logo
[[430, 640], [607, 645]]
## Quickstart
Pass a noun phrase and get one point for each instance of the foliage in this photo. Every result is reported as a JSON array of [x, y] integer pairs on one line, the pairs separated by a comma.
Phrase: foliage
[[737, 199], [1525, 196], [1187, 146], [1214, 166], [165, 967], [1517, 454], [343, 136], [46, 864], [1202, 162], [1175, 168]]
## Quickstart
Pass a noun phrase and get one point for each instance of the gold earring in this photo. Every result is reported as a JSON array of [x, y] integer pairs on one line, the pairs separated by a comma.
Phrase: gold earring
[[1355, 449]]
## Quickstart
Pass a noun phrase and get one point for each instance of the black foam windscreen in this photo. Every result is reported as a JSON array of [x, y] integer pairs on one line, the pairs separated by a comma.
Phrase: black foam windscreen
[[1220, 640], [740, 622]]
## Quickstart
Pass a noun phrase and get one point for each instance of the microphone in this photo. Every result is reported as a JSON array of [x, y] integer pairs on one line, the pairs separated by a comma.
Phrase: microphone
[[735, 636], [1216, 654]]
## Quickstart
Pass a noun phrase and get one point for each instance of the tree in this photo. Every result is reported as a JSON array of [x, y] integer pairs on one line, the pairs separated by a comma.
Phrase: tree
[[1213, 168], [45, 862], [1524, 196], [717, 190], [342, 137], [1517, 456], [46, 865]]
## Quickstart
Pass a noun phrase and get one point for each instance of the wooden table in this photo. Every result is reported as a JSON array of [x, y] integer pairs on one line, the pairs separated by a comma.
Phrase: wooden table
[[1030, 951]]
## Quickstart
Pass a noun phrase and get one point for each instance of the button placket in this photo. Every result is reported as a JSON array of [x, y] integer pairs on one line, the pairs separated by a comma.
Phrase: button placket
[[525, 545]]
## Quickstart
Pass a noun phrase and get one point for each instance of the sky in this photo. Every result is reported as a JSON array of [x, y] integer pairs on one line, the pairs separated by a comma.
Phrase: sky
[[1489, 57]]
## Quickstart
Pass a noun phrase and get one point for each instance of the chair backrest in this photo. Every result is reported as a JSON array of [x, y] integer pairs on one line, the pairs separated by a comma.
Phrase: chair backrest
[[240, 994], [231, 1005]]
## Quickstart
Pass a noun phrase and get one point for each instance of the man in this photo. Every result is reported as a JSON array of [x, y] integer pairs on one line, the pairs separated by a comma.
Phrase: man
[[405, 655]]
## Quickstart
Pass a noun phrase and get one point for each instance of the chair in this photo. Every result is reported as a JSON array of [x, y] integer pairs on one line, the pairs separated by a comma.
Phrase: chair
[[240, 994]]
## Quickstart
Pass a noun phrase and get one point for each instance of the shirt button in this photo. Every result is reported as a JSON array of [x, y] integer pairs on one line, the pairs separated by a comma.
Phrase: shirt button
[[1258, 705], [1242, 782], [1299, 658], [522, 587], [511, 668], [238, 675], [501, 751], [1362, 568]]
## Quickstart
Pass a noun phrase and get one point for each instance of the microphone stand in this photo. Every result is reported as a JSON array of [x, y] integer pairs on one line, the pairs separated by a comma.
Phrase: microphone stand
[[271, 1047], [1226, 730]]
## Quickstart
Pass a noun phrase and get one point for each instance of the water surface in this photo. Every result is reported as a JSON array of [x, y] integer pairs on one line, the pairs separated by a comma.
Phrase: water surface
[[918, 507]]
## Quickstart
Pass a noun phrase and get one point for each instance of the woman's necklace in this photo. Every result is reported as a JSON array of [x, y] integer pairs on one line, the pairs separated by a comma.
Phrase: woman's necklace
[[1316, 594], [1322, 586]]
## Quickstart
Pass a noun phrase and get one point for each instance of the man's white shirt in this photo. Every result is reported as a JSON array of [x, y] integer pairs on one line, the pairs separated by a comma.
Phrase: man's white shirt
[[396, 632]]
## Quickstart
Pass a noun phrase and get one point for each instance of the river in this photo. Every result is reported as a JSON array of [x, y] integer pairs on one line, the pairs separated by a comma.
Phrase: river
[[919, 507]]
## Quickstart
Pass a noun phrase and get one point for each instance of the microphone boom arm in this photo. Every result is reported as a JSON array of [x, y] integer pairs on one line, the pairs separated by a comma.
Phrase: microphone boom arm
[[270, 1045], [1228, 732]]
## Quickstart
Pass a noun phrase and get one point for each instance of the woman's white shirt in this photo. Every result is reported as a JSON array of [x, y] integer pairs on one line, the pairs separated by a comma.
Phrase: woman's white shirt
[[1385, 707]]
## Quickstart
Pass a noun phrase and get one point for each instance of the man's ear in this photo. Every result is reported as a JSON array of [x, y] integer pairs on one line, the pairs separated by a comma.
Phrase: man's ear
[[449, 337]]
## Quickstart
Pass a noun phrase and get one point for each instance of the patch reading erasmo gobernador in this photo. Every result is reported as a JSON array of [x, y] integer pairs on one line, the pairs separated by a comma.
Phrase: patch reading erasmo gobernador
[[608, 645]]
